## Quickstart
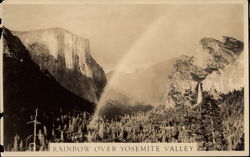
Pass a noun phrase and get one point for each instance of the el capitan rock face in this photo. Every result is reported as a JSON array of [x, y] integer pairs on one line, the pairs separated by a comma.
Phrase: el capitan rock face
[[67, 57], [203, 71]]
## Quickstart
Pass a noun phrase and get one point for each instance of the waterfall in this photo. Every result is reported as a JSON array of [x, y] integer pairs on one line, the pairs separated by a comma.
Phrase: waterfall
[[199, 97]]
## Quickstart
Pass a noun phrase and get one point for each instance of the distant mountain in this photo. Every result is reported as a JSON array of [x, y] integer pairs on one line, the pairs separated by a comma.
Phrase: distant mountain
[[145, 85], [67, 57], [27, 86]]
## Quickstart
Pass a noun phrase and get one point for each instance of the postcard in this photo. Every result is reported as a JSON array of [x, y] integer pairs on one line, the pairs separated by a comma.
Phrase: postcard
[[124, 78]]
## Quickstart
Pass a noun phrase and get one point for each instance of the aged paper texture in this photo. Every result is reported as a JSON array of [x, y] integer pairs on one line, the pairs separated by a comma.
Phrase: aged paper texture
[[124, 78]]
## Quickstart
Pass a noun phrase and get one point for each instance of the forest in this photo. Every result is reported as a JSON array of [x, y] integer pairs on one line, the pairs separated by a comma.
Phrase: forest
[[215, 124]]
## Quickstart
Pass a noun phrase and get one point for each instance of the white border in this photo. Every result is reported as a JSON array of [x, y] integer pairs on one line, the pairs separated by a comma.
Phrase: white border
[[120, 1]]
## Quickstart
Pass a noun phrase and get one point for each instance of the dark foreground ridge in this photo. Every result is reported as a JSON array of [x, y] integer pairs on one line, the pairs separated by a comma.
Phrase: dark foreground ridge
[[27, 87]]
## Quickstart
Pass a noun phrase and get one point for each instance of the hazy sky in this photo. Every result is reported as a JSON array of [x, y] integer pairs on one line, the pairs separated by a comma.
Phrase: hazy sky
[[149, 33]]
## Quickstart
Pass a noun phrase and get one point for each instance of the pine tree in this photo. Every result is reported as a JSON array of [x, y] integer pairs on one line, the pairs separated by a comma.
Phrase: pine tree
[[212, 124]]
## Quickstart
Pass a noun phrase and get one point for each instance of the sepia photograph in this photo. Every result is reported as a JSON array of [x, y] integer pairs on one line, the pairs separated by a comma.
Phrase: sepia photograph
[[143, 77]]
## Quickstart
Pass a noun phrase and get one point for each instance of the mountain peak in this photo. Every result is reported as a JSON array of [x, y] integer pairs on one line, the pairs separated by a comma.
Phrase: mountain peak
[[233, 44], [229, 44], [214, 54], [67, 57]]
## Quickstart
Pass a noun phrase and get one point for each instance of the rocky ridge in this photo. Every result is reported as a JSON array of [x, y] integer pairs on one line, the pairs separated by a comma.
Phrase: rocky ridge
[[203, 70]]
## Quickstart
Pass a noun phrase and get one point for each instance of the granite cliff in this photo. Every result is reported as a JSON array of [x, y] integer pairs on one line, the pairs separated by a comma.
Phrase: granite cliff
[[67, 57]]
